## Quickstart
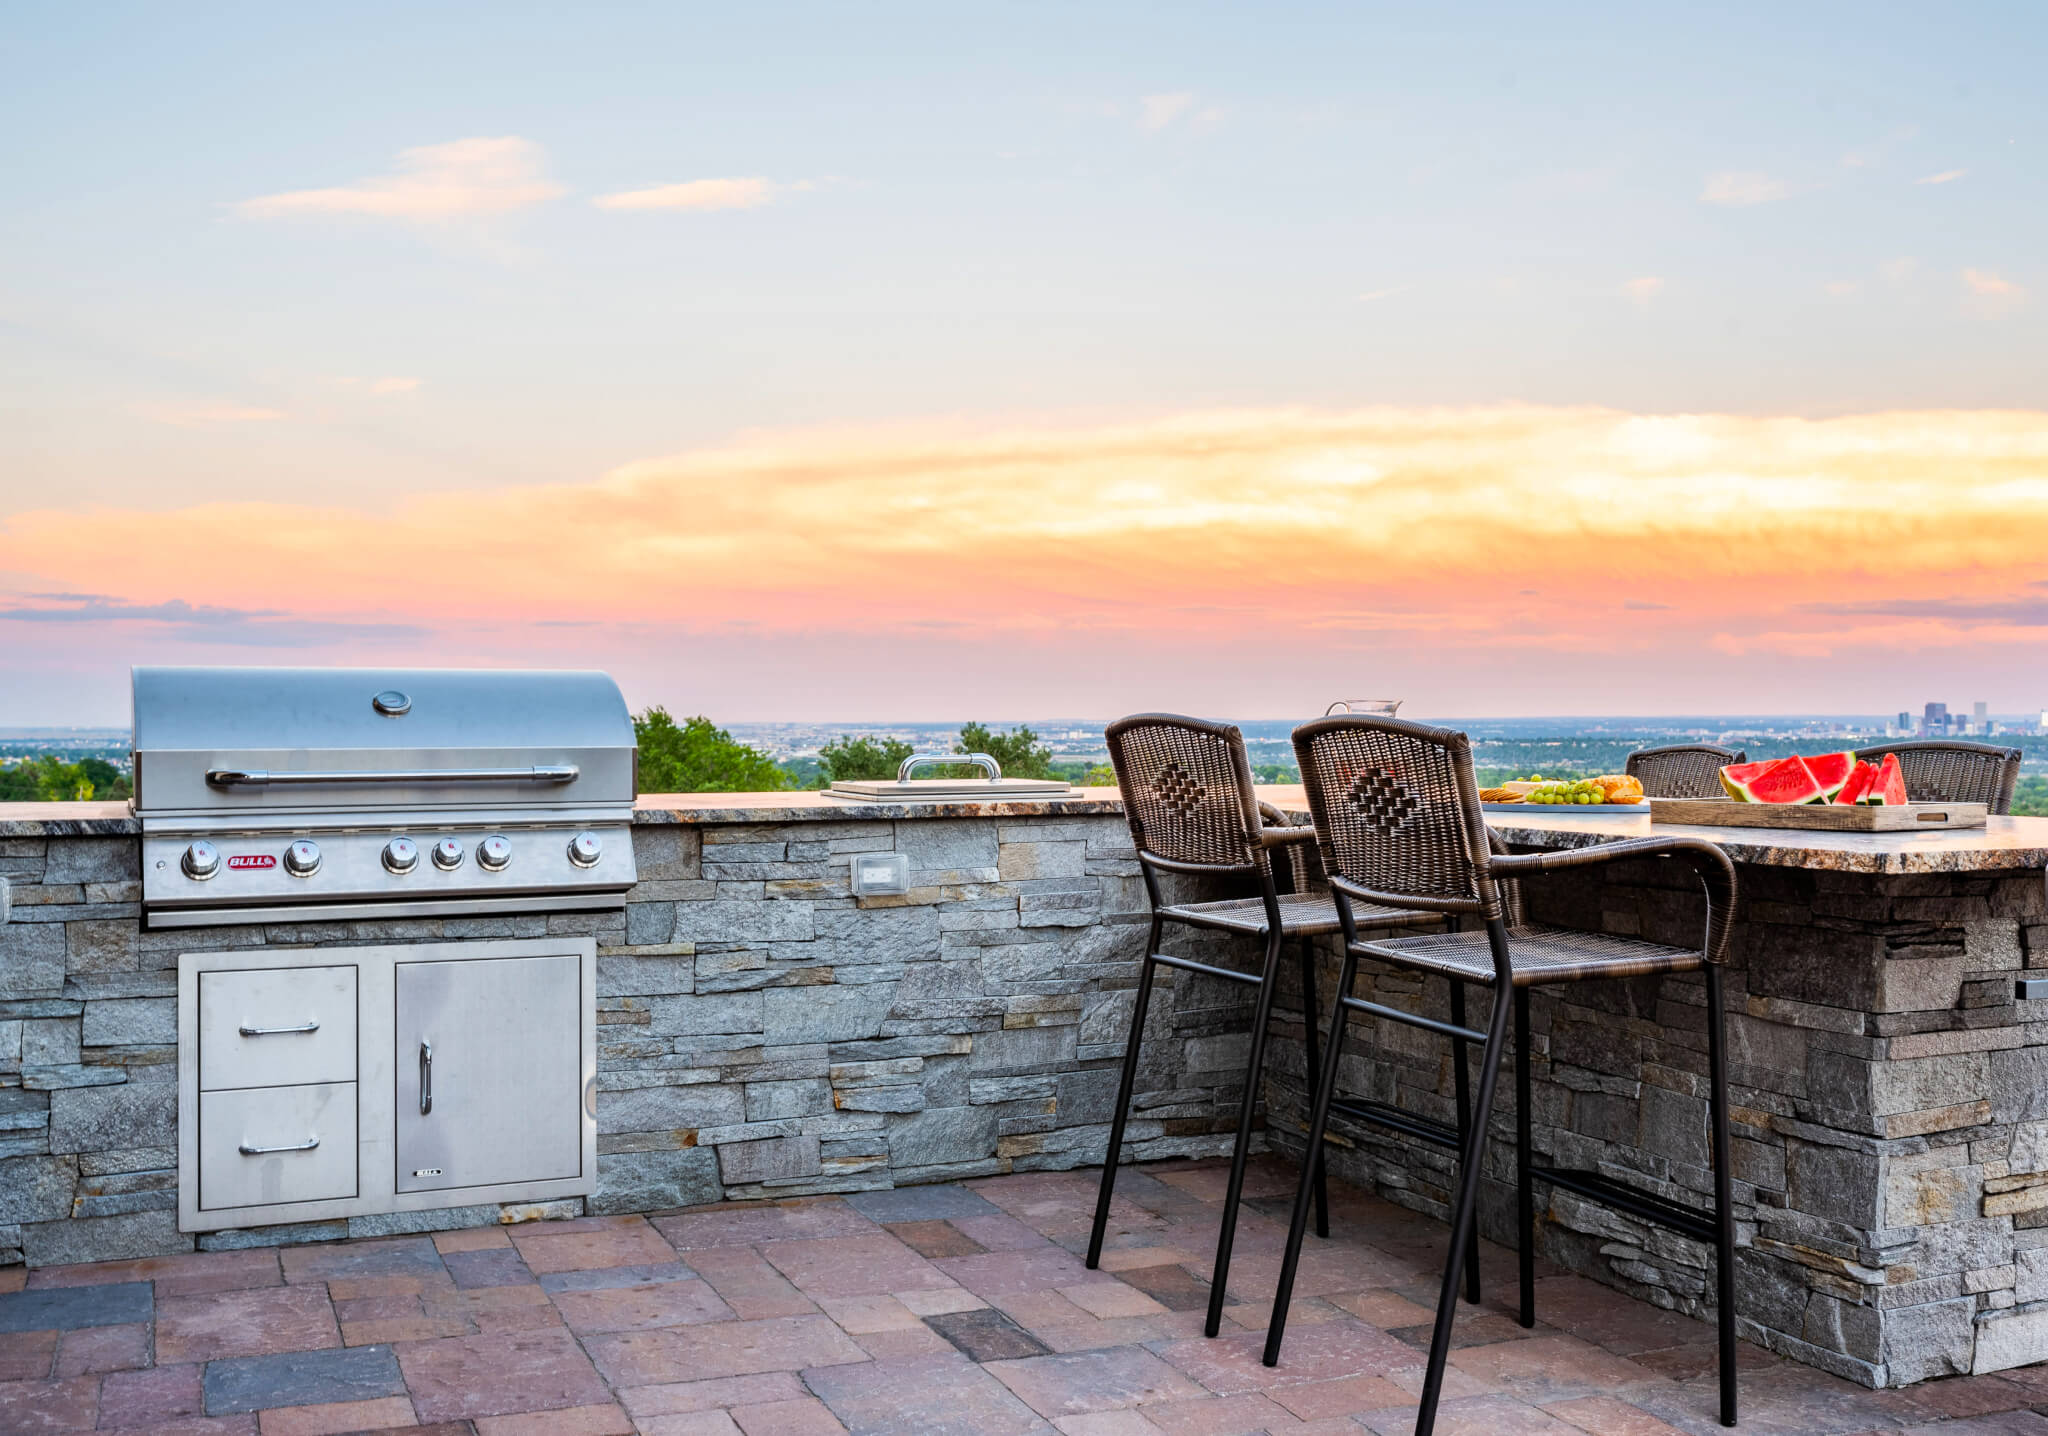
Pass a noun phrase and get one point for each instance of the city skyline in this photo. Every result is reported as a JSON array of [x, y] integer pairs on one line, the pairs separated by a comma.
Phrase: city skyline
[[1047, 359]]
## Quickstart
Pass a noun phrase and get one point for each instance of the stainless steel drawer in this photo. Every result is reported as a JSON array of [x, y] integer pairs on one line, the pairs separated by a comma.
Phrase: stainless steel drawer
[[277, 1027], [261, 1146]]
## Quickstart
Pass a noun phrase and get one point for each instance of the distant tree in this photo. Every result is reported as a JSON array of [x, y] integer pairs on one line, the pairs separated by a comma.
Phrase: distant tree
[[1099, 775], [1018, 750], [20, 783], [107, 780], [696, 756], [847, 758]]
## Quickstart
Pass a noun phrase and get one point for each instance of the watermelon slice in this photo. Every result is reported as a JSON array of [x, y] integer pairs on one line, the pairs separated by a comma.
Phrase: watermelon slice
[[1778, 780], [1859, 785], [1890, 788], [1831, 771]]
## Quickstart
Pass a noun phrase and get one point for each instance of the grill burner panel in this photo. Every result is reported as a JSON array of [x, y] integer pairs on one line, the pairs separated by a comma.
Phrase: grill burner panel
[[288, 794]]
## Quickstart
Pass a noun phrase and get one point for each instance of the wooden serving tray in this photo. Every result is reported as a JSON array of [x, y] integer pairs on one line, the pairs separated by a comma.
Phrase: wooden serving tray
[[1819, 817]]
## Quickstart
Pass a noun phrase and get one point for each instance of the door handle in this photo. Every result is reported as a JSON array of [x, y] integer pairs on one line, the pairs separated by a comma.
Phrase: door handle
[[426, 1077], [278, 1031], [306, 1146]]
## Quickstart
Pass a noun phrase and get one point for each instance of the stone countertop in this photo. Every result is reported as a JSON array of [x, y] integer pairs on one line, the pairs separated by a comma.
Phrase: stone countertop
[[2004, 844]]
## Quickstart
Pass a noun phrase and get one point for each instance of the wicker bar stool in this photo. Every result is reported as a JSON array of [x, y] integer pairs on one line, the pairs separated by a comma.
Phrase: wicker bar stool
[[1682, 770], [1939, 770], [1398, 823], [1188, 795]]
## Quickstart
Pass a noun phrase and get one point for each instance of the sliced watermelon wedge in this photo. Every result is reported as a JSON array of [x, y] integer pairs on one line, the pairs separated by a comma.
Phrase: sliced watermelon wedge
[[1830, 771], [1777, 780], [1859, 785], [1890, 788]]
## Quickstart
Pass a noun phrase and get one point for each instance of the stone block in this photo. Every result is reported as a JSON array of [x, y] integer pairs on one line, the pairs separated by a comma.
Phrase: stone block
[[94, 860], [948, 844], [629, 975], [774, 1101], [657, 1109], [132, 1114], [2016, 1336], [1016, 1048], [1085, 1097], [664, 852], [1225, 1052], [1075, 908], [941, 1136], [1674, 1125], [102, 945], [1836, 1183], [2031, 1274], [36, 1189], [775, 1159], [651, 1181], [301, 1378], [131, 1021], [31, 959], [740, 920], [880, 1099], [75, 1239], [826, 1014], [876, 935], [650, 924], [49, 1042], [704, 1015], [1018, 861], [434, 1219]]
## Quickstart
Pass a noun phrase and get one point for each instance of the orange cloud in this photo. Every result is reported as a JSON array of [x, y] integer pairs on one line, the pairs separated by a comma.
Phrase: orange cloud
[[700, 195], [461, 179], [1482, 546]]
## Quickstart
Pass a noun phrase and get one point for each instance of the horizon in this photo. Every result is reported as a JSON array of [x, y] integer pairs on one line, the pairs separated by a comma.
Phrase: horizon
[[1102, 358]]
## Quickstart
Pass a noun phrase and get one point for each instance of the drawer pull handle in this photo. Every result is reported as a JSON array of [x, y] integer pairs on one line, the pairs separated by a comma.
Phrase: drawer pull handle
[[426, 1077], [306, 1146], [279, 1031]]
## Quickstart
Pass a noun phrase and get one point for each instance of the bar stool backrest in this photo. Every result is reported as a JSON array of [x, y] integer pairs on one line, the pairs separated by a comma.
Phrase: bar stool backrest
[[1397, 815], [1682, 770], [1940, 770], [1187, 789]]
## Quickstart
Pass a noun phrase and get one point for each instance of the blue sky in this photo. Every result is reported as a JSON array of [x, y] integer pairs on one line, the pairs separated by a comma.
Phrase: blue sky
[[1036, 214]]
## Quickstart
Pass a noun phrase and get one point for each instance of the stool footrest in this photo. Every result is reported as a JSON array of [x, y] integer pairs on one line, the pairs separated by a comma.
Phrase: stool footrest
[[1624, 1198], [1396, 1119], [1188, 964]]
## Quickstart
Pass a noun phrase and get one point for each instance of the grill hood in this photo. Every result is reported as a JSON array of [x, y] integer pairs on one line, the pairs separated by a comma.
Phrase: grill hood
[[240, 743]]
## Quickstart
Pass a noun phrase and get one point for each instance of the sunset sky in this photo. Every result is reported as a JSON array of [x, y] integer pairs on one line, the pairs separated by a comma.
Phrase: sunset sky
[[926, 362]]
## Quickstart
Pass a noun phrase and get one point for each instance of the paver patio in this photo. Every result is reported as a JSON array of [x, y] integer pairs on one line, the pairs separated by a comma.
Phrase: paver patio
[[953, 1309]]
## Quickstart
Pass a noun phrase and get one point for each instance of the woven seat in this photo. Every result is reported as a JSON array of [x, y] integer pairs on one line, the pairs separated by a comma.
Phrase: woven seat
[[1301, 915], [1539, 955]]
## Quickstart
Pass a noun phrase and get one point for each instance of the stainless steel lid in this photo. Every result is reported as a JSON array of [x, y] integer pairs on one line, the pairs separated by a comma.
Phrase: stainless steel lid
[[211, 742]]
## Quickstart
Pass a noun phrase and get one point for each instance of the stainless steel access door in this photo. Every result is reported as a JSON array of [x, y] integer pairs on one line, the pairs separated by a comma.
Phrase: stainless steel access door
[[489, 1071]]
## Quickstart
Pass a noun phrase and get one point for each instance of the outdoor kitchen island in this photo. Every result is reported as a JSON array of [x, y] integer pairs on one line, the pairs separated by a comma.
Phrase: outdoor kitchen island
[[762, 1032]]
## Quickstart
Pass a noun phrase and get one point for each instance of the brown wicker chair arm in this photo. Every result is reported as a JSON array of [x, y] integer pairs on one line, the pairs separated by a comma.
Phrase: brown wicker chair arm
[[1285, 837], [1716, 873]]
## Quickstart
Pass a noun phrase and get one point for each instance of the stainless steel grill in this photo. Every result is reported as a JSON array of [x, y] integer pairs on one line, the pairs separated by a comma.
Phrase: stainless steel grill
[[282, 794]]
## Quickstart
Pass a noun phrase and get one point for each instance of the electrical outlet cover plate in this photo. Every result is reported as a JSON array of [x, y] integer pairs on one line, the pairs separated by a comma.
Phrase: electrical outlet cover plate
[[881, 874]]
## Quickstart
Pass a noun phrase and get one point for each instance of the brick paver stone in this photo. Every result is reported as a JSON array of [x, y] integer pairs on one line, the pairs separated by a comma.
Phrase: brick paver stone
[[633, 1308], [104, 1348], [1084, 1381], [339, 1418], [747, 1284], [537, 1370], [153, 1396], [931, 1395], [728, 1348], [633, 1245], [748, 1226], [919, 1204], [64, 1308], [301, 1378], [258, 1322], [853, 1266], [986, 1334]]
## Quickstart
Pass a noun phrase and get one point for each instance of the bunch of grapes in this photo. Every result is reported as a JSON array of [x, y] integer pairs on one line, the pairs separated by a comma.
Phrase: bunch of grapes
[[1580, 794]]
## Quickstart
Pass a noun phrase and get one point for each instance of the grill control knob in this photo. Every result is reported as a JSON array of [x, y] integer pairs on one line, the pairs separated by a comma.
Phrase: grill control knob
[[401, 856], [492, 854], [302, 859], [202, 861], [447, 855], [585, 850]]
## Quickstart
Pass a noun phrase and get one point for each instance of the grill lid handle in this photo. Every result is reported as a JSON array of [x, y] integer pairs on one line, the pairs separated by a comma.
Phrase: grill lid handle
[[263, 777]]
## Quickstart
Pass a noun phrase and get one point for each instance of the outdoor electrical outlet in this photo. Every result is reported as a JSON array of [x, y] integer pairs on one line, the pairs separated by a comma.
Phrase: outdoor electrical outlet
[[2028, 988], [881, 874]]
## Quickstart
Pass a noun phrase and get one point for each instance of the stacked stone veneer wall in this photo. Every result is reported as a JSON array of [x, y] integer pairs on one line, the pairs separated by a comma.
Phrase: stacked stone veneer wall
[[761, 1032], [1890, 1099]]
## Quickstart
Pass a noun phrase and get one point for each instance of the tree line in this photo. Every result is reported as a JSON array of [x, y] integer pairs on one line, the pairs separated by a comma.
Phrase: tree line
[[49, 779]]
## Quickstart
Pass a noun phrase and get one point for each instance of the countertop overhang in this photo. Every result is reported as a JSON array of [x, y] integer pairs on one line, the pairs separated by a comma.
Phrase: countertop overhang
[[2004, 844]]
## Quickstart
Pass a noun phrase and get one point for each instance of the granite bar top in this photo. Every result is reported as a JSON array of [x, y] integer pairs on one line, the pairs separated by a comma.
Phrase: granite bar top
[[2004, 844]]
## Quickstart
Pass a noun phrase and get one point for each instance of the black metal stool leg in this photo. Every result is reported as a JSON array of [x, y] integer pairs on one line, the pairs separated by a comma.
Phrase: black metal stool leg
[[1463, 1217], [1123, 1095], [1311, 1014], [1724, 1195], [1462, 1084], [1318, 1123], [1525, 1185], [1262, 1013]]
